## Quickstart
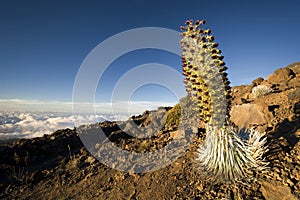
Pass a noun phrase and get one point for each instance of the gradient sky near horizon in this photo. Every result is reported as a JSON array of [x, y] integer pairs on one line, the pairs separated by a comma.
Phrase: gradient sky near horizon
[[43, 43]]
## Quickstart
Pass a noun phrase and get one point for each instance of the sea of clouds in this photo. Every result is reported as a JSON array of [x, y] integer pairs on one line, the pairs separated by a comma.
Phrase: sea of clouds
[[36, 124], [32, 118]]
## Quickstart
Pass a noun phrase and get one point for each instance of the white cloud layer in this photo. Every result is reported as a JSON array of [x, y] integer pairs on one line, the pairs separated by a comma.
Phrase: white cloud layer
[[36, 124]]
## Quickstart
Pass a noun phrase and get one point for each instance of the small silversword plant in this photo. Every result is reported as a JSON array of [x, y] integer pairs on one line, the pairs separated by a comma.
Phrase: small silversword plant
[[260, 91]]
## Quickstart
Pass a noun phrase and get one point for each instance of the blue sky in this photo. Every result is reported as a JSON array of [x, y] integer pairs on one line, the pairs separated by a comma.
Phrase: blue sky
[[43, 43]]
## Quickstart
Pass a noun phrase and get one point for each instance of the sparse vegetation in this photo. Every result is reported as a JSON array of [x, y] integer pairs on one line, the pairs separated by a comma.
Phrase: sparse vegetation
[[173, 116], [17, 173], [144, 145], [181, 111]]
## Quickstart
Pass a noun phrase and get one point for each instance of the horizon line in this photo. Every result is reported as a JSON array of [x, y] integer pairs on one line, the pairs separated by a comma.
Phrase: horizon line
[[34, 105]]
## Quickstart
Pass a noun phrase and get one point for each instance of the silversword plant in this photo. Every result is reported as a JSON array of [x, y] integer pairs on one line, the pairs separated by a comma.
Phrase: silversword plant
[[226, 153], [260, 91]]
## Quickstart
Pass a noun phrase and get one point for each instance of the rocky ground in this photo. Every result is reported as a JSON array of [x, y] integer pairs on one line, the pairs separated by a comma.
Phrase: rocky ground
[[58, 166]]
